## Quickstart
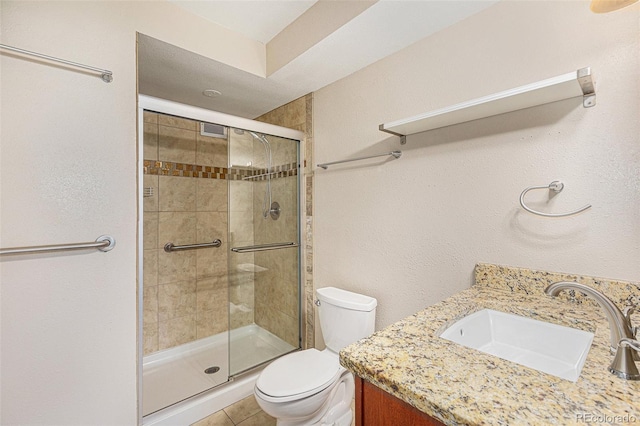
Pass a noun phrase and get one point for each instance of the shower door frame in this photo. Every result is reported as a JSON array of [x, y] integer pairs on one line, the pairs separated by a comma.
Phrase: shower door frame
[[230, 121]]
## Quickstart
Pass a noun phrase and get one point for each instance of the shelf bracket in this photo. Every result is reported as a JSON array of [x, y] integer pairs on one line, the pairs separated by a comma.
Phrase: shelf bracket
[[403, 138], [588, 89]]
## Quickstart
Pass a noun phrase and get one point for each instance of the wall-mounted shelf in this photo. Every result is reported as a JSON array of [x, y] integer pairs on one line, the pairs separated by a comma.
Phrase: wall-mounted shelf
[[570, 85]]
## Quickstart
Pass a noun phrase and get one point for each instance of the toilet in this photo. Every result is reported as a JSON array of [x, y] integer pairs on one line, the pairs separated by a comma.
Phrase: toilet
[[310, 387]]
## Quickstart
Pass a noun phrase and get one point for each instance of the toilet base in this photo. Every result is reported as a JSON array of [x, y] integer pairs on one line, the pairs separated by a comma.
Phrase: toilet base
[[344, 420], [334, 411]]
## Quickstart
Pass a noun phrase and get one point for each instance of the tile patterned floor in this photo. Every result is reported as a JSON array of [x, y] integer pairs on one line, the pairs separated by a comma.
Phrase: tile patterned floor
[[245, 412]]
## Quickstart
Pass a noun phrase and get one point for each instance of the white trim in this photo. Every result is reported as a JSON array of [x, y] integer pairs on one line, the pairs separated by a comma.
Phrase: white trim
[[140, 254], [187, 111]]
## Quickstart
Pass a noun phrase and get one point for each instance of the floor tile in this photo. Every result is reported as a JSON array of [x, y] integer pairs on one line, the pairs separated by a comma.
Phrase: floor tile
[[219, 418], [260, 419], [243, 409]]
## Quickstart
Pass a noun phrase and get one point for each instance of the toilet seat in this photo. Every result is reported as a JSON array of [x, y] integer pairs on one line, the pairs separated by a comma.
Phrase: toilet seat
[[298, 375]]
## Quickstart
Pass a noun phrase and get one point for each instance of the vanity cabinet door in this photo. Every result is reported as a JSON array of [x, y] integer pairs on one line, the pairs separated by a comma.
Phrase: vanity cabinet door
[[375, 407]]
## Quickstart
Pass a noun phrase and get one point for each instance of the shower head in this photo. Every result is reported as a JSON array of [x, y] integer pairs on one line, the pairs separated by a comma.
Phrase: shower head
[[262, 138], [267, 202]]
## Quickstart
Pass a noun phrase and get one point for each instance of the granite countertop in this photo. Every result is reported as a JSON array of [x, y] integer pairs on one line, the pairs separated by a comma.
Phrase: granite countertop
[[458, 385]]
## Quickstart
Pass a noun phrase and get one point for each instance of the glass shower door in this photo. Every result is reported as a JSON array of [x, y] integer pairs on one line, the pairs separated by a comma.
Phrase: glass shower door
[[264, 284], [185, 321]]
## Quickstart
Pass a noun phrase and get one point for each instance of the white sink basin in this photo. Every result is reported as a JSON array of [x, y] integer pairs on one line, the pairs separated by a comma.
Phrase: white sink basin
[[550, 348]]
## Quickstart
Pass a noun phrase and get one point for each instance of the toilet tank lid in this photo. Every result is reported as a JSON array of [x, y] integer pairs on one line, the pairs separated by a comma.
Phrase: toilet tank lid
[[346, 299]]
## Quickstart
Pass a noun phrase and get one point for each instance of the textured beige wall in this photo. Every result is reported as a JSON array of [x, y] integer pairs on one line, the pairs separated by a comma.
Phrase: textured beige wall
[[68, 171], [409, 231], [298, 115]]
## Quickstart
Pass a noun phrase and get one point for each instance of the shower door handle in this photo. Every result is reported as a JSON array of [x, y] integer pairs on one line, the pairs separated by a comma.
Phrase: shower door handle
[[169, 247], [263, 247]]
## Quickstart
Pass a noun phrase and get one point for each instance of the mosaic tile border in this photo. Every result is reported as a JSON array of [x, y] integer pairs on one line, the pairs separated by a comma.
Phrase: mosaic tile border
[[170, 168]]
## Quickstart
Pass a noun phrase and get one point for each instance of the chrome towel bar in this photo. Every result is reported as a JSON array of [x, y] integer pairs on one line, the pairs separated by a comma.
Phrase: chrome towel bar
[[169, 247], [395, 154], [107, 76], [102, 243], [556, 186], [263, 247]]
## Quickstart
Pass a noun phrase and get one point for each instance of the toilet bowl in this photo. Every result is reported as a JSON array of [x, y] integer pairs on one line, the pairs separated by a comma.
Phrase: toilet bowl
[[310, 387], [301, 389]]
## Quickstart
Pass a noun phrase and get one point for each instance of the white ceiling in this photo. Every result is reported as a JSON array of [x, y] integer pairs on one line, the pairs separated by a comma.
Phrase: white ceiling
[[259, 20], [168, 72]]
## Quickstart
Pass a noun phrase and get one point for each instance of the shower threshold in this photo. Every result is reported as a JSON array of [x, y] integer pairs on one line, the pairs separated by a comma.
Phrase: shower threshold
[[175, 374]]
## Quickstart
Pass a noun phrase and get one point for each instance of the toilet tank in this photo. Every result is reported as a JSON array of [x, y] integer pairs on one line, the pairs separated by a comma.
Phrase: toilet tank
[[345, 317]]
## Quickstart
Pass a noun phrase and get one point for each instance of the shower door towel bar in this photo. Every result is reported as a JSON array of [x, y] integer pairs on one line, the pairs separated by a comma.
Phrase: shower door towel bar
[[107, 76], [263, 247], [102, 243], [395, 154], [169, 247], [556, 186]]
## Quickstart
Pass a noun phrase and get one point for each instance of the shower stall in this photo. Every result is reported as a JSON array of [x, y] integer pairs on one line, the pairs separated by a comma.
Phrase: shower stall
[[219, 288]]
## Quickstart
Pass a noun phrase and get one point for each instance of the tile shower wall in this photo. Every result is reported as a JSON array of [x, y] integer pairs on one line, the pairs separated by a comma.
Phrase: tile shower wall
[[295, 115], [276, 288], [241, 272], [185, 293], [247, 226]]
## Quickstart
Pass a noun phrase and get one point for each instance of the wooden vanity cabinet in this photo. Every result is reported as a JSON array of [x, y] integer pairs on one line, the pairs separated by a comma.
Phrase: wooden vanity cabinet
[[375, 407]]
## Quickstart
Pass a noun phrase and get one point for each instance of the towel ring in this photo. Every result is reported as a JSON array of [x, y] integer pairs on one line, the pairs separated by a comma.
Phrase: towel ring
[[557, 187]]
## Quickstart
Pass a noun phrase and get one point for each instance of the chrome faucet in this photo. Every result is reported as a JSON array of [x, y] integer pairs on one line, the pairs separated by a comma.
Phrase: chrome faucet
[[623, 341]]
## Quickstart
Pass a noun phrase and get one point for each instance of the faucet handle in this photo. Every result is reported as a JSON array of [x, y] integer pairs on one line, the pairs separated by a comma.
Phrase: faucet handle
[[627, 312], [633, 344]]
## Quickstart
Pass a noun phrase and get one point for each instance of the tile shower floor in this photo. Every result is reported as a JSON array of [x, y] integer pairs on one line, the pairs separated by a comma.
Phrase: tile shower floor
[[250, 345]]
